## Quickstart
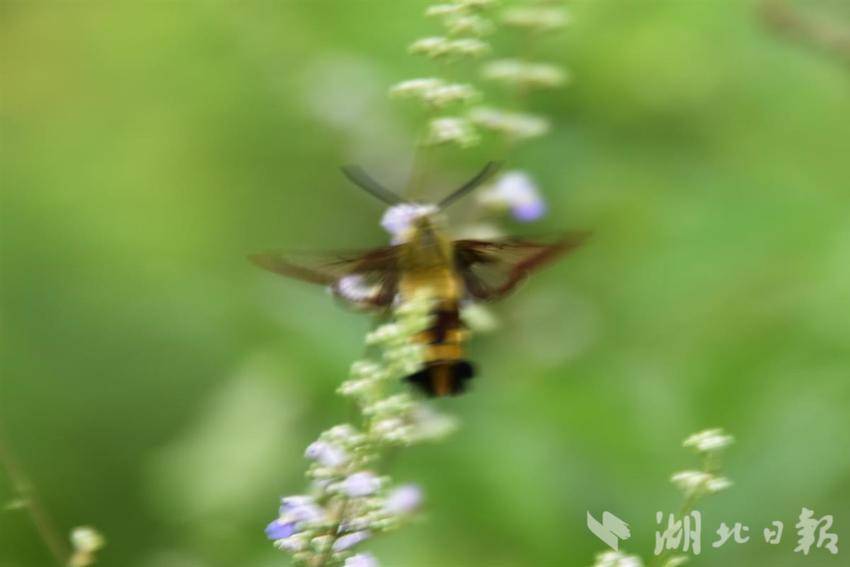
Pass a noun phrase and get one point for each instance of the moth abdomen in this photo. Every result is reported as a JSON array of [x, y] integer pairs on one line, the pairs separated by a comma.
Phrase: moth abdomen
[[443, 377]]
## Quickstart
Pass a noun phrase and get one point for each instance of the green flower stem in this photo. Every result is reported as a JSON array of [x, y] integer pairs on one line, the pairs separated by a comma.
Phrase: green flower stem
[[26, 495]]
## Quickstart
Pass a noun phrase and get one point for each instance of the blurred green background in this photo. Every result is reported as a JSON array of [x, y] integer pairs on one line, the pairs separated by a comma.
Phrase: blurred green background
[[156, 385]]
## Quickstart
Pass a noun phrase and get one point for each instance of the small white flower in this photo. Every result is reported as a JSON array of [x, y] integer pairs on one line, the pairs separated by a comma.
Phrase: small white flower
[[516, 191], [440, 10], [709, 441], [356, 387], [391, 405], [524, 74], [345, 436], [403, 500], [386, 334], [429, 425], [443, 95], [535, 18], [471, 24], [690, 482], [292, 544], [415, 86], [699, 482], [326, 454], [479, 318], [516, 125], [365, 369], [438, 46], [361, 560], [476, 4], [435, 93], [469, 47], [451, 130], [361, 484], [617, 559], [86, 542], [718, 484], [348, 541], [321, 543], [388, 426], [430, 46], [87, 539]]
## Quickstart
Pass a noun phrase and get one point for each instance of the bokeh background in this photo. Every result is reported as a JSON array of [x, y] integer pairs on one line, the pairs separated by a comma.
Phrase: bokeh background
[[156, 385]]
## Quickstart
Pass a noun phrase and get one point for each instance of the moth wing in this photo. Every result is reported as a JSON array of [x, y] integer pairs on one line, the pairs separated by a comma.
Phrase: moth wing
[[491, 269], [364, 279]]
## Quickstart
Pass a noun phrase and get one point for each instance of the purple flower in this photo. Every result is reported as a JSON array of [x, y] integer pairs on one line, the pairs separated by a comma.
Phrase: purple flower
[[361, 484], [300, 509], [530, 211], [350, 540], [326, 454], [404, 500], [516, 191], [280, 530], [361, 560]]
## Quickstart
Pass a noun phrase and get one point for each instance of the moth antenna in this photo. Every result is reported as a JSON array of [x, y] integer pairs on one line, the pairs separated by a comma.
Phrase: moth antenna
[[488, 171], [356, 175]]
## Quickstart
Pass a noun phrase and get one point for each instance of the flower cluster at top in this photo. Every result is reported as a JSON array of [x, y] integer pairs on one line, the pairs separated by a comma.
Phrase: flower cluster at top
[[350, 500], [457, 114], [465, 26], [520, 76]]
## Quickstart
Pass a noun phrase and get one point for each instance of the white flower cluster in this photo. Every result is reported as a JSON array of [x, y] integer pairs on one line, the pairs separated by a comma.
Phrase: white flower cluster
[[709, 441], [85, 542], [451, 129], [535, 19], [439, 46], [464, 27], [512, 125], [350, 502], [435, 93], [523, 74], [462, 18], [696, 483], [617, 559]]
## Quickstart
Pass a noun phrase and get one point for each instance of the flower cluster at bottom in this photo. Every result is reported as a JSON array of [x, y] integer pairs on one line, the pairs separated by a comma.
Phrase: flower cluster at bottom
[[350, 501]]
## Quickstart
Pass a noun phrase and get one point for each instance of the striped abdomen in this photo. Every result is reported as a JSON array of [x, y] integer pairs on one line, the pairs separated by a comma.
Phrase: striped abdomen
[[444, 372]]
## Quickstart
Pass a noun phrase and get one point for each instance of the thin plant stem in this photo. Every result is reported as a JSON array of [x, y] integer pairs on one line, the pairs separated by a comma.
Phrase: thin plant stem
[[25, 493], [322, 560], [709, 465]]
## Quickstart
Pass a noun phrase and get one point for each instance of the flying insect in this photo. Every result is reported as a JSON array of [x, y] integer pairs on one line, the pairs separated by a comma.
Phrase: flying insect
[[423, 255]]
